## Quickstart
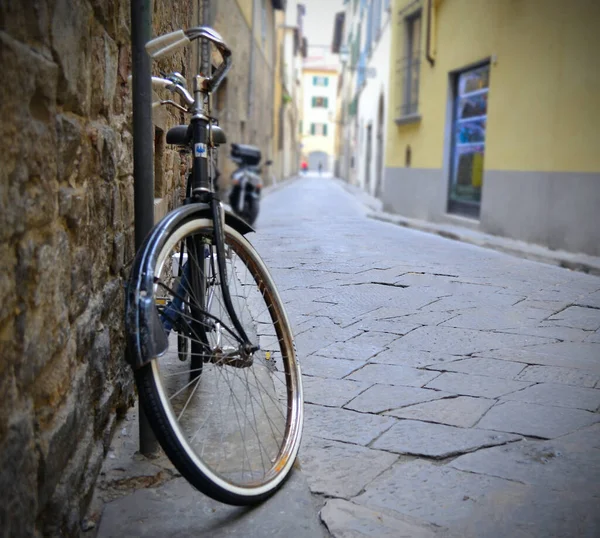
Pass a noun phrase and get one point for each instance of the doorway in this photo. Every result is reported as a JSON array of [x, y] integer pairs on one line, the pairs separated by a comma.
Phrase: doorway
[[368, 143], [380, 150], [468, 141]]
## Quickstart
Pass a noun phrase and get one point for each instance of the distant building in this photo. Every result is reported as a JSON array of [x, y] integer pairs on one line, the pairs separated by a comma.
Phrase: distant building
[[290, 51], [318, 122]]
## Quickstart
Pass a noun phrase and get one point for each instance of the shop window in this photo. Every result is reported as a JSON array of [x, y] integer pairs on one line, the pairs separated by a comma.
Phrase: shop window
[[468, 140]]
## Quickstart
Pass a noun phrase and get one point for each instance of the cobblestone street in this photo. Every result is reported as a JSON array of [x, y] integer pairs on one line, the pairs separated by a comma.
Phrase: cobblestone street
[[450, 390]]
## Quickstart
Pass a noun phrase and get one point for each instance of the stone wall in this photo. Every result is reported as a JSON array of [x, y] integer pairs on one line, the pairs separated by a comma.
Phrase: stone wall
[[66, 243], [245, 118]]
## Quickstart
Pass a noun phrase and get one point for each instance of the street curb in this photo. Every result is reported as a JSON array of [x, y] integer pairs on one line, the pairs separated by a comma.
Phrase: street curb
[[567, 260]]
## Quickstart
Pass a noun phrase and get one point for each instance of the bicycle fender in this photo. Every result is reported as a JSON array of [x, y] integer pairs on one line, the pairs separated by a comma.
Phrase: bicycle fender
[[146, 337]]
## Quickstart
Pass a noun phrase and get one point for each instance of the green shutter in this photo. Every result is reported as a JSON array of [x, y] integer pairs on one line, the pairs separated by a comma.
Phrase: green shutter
[[325, 100], [326, 81], [312, 128], [324, 129], [314, 102], [315, 81]]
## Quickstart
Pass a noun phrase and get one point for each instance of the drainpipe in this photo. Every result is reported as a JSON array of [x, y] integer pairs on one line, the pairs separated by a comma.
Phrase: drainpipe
[[143, 169], [428, 54]]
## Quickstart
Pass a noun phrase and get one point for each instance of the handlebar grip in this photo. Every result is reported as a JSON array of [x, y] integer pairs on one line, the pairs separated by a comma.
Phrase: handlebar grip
[[166, 44]]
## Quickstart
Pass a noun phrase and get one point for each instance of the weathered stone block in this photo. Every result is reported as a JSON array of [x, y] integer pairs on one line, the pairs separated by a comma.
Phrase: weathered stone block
[[536, 420], [343, 425], [18, 479], [8, 296], [348, 520], [118, 253], [60, 438], [71, 43], [558, 395], [394, 375], [437, 440], [557, 374], [69, 136], [462, 411], [380, 398], [331, 392], [475, 385], [341, 469]]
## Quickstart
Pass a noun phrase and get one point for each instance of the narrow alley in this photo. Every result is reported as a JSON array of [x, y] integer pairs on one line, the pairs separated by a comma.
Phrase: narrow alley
[[449, 389]]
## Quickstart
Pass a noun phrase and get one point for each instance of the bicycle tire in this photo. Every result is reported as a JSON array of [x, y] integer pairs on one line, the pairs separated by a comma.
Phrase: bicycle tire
[[274, 365]]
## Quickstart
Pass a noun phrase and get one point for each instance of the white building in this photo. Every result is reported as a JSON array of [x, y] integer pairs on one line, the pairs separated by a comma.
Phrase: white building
[[365, 48], [318, 119]]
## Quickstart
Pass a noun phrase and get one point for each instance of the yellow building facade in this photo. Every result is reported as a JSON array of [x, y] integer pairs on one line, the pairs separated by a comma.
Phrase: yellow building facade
[[495, 116]]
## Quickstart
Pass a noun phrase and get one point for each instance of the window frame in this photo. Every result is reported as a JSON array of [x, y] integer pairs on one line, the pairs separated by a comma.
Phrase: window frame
[[409, 107]]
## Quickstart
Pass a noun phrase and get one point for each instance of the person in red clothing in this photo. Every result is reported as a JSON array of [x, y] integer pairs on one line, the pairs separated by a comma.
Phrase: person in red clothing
[[304, 167]]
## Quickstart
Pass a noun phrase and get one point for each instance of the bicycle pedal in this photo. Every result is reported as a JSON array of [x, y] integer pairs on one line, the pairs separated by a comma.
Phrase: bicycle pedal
[[221, 357]]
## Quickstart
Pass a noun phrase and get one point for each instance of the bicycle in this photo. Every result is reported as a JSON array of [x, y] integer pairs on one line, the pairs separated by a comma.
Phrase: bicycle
[[210, 343]]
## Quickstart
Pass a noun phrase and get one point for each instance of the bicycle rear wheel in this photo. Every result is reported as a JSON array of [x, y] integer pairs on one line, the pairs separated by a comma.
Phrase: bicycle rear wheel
[[234, 431]]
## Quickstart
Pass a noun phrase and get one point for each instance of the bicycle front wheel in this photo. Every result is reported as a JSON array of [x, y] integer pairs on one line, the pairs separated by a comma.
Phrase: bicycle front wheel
[[234, 431]]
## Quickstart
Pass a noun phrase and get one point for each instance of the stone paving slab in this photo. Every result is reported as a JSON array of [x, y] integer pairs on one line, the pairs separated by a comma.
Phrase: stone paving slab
[[475, 506], [451, 341], [536, 420], [345, 519], [380, 398], [558, 374], [361, 347], [427, 318], [593, 338], [585, 437], [556, 464], [462, 411], [176, 509], [394, 326], [578, 317], [437, 440], [344, 425], [475, 385], [331, 392], [583, 356], [326, 367], [546, 330], [481, 366], [486, 319], [393, 375], [558, 395], [315, 340], [340, 469]]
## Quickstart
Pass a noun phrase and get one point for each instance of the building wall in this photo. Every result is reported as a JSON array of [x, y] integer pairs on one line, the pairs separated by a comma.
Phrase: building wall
[[66, 244], [543, 118], [319, 143], [248, 94], [374, 94]]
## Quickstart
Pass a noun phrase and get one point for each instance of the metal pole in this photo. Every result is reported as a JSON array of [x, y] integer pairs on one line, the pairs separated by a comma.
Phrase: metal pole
[[143, 173]]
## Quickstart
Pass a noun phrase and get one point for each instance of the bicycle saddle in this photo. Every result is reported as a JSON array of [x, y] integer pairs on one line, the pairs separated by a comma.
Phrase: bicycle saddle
[[181, 135]]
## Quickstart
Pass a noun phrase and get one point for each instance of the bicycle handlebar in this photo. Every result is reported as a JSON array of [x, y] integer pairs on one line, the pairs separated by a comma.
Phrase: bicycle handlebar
[[169, 43]]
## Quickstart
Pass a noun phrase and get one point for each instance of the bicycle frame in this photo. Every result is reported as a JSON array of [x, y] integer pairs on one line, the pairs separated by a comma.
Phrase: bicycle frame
[[152, 329]]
